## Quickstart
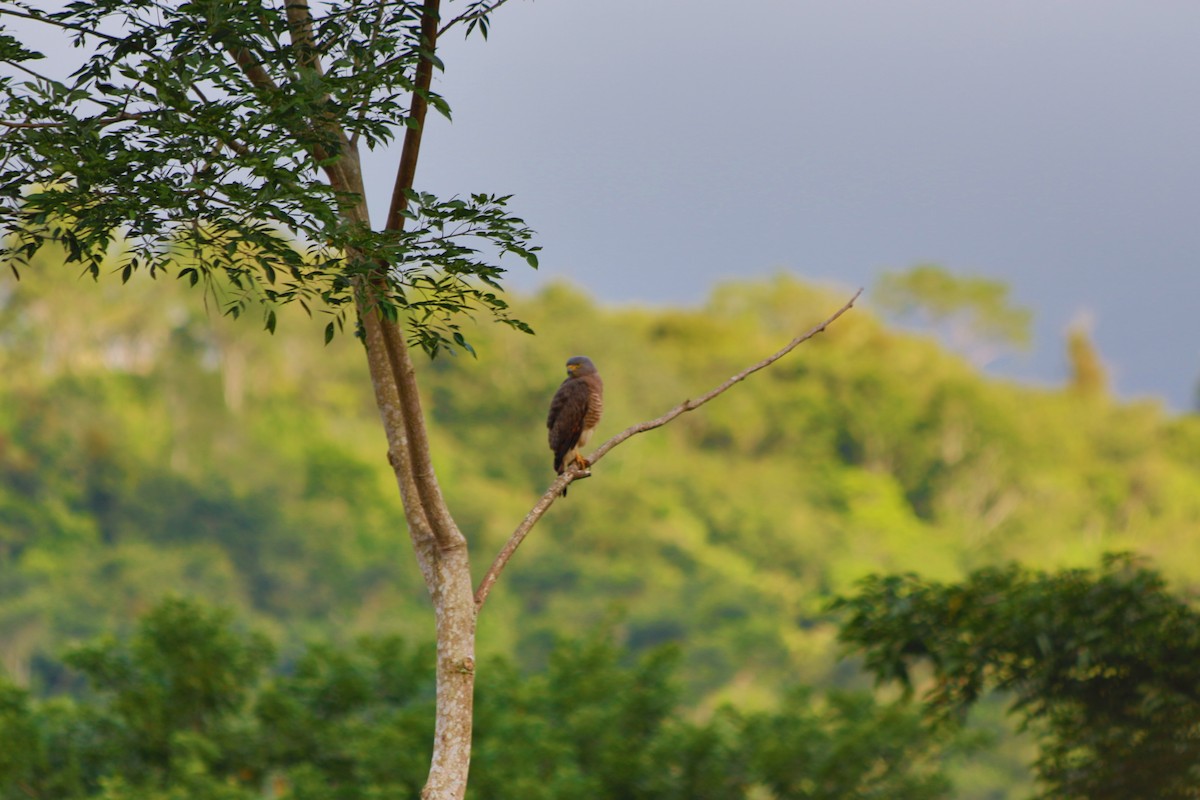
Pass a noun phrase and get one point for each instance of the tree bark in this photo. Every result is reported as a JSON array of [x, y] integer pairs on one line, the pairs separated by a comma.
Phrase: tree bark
[[440, 549], [439, 546]]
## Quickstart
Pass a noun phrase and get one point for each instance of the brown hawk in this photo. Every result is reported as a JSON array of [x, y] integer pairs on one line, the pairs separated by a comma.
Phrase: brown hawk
[[574, 413]]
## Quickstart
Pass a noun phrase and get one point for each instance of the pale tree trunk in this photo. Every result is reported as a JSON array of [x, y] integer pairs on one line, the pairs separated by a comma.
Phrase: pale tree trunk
[[439, 546]]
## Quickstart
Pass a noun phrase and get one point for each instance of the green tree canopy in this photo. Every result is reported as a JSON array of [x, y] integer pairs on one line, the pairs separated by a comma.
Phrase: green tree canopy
[[974, 312], [1102, 666], [190, 706], [212, 139]]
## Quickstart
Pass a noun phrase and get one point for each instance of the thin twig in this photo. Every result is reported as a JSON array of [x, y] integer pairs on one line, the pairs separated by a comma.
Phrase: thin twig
[[366, 103], [565, 480], [67, 26], [122, 117], [470, 15], [31, 73]]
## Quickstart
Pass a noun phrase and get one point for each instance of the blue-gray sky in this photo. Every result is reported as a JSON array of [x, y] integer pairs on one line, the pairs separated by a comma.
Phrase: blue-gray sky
[[660, 146]]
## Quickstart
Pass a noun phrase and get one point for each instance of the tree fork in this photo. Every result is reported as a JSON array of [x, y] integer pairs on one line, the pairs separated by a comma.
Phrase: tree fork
[[438, 540]]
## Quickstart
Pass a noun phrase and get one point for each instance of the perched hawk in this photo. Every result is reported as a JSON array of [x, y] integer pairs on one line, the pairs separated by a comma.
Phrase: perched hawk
[[574, 413]]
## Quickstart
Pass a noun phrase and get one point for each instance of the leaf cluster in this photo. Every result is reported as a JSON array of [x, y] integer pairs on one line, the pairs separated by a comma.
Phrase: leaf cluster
[[219, 142], [1101, 664], [191, 706]]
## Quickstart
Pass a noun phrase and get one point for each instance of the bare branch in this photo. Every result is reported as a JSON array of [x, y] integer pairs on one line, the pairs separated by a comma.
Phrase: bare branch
[[691, 405], [565, 480]]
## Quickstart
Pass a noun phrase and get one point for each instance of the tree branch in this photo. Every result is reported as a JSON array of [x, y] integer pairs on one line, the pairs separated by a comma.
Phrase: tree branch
[[124, 116], [300, 27], [31, 73], [467, 16], [252, 67], [565, 480], [411, 149], [308, 58], [366, 103], [66, 26], [418, 463]]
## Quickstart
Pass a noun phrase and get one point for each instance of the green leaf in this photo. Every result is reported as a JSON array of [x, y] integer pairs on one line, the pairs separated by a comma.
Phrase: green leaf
[[464, 344]]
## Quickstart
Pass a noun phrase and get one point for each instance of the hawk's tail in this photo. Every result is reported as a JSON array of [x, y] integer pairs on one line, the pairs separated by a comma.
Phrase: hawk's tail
[[559, 459]]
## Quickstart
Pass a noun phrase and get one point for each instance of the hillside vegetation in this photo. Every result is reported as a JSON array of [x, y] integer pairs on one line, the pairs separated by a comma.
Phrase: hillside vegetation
[[150, 446]]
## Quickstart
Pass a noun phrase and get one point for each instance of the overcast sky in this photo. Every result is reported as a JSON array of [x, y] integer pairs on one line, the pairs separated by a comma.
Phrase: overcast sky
[[660, 146]]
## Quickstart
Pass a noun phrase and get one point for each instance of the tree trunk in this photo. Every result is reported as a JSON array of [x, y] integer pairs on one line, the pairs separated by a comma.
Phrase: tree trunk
[[454, 604], [440, 548]]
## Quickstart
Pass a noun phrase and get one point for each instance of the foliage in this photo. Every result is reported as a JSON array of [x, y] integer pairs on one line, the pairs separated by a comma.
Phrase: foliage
[[1100, 664], [853, 747], [203, 140], [974, 311], [147, 449], [186, 709], [1089, 378]]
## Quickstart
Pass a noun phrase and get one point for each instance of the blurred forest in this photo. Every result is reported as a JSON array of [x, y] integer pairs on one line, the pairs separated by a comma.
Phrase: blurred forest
[[151, 448]]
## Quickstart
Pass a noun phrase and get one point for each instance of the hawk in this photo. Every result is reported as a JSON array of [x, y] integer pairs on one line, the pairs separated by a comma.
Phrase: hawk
[[574, 413]]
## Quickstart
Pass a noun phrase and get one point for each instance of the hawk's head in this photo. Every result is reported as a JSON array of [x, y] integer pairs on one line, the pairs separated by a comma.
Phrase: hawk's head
[[580, 365]]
